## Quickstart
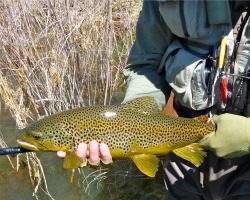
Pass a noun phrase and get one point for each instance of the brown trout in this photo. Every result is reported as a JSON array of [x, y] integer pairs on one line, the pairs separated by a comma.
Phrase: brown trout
[[133, 130]]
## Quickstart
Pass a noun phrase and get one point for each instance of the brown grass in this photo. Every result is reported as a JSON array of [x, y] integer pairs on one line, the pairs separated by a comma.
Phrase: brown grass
[[58, 55]]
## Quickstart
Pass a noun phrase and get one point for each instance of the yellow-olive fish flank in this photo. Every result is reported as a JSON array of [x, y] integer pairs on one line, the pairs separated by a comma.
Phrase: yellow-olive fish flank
[[133, 130]]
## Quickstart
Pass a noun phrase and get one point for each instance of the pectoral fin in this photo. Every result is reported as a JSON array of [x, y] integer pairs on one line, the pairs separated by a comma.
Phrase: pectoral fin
[[193, 153], [147, 164], [72, 161]]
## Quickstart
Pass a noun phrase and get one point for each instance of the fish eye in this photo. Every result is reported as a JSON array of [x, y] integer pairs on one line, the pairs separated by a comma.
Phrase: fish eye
[[36, 135]]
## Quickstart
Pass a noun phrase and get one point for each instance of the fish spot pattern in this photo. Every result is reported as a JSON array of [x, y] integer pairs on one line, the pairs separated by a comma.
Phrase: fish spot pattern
[[120, 127]]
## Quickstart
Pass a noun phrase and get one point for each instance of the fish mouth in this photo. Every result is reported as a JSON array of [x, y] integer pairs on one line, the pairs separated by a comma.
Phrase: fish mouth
[[27, 145]]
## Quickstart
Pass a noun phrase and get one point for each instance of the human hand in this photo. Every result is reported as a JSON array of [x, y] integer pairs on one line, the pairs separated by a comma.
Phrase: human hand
[[231, 138], [93, 151]]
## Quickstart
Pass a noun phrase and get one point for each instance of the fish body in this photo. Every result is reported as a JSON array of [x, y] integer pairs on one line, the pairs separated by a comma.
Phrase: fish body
[[133, 130]]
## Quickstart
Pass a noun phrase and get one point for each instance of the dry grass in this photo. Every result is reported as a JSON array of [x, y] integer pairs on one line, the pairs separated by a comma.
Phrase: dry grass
[[62, 54], [58, 55]]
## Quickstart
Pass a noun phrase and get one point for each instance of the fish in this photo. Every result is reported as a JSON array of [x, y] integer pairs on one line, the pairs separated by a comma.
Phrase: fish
[[134, 130]]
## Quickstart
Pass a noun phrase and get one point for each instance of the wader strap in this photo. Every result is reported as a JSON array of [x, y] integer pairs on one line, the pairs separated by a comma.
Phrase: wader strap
[[187, 43], [236, 90], [247, 102], [230, 86], [239, 14]]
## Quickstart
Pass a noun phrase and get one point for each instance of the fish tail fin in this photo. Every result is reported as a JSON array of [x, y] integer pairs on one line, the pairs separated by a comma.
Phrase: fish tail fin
[[202, 118]]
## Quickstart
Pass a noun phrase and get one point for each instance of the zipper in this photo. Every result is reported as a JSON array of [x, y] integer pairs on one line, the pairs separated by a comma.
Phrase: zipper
[[183, 21]]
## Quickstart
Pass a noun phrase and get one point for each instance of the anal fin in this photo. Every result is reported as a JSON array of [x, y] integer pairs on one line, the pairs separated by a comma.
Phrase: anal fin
[[193, 153], [147, 164]]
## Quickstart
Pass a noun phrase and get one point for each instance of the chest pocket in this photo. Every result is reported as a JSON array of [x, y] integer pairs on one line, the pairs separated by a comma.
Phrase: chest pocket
[[186, 18], [185, 73]]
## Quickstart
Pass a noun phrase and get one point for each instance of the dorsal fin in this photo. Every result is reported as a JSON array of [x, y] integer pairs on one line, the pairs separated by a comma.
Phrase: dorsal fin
[[144, 104]]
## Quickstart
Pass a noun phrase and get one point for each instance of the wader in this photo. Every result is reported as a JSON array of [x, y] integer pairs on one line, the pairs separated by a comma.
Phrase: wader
[[176, 43]]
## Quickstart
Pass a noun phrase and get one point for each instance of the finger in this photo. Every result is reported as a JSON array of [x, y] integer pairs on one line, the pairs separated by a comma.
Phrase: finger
[[94, 158], [209, 120], [61, 154], [105, 154], [81, 151]]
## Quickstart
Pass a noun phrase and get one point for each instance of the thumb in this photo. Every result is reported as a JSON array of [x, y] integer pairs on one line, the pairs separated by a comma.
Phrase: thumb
[[206, 140], [215, 119]]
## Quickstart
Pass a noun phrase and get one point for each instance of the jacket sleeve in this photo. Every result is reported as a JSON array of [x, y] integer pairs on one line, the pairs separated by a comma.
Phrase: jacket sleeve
[[152, 39]]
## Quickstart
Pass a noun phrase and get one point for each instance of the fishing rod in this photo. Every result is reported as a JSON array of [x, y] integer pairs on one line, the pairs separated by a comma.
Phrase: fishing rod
[[13, 151]]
